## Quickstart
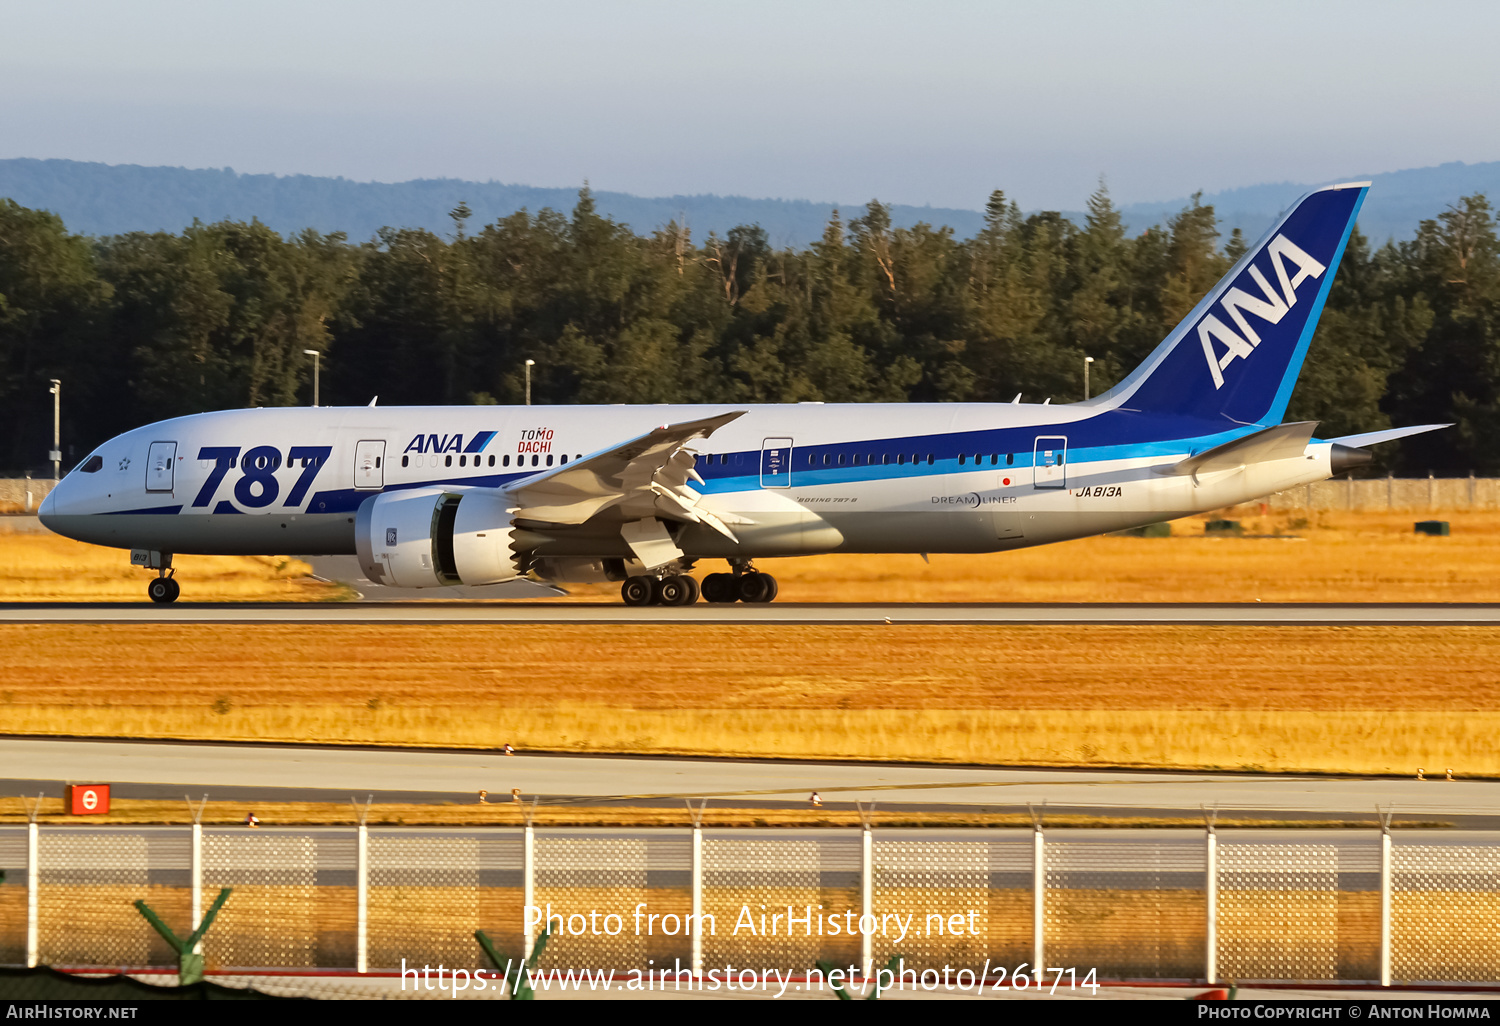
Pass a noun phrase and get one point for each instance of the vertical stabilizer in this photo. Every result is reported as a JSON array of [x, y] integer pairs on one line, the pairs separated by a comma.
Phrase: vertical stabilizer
[[1236, 356]]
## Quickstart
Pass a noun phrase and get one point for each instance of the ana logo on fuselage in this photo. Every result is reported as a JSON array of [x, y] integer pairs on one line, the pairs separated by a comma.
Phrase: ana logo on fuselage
[[1271, 306], [448, 443]]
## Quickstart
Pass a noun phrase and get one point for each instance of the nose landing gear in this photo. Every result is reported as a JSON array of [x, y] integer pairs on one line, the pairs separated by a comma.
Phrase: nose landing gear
[[164, 589]]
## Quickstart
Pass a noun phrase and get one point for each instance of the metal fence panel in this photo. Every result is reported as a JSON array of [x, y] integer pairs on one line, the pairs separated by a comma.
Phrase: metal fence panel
[[1445, 913], [1278, 912], [273, 917], [88, 883], [1131, 910]]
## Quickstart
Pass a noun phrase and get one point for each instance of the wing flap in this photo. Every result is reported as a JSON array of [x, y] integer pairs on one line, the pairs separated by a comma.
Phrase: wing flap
[[645, 480]]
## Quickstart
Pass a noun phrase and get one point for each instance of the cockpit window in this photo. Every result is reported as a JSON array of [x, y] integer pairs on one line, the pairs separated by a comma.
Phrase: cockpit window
[[91, 465]]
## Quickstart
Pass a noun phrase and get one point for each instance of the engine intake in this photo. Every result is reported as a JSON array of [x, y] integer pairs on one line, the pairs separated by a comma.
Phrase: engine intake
[[434, 538]]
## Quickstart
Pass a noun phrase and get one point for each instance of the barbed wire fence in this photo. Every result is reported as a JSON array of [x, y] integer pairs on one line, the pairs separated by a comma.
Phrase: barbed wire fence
[[1383, 905]]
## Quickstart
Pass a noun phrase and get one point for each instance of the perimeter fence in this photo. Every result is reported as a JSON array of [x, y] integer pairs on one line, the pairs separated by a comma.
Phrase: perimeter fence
[[1409, 494], [1352, 905]]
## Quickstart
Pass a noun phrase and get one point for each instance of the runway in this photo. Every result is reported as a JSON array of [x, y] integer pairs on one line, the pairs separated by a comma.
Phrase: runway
[[1237, 614], [335, 774]]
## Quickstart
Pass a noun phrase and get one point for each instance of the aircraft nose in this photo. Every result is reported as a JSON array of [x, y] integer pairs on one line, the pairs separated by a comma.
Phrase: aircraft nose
[[48, 508]]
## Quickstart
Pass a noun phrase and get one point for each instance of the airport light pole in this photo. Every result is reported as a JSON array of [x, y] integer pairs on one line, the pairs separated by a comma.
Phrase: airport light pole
[[317, 361], [529, 364], [56, 454], [1086, 361]]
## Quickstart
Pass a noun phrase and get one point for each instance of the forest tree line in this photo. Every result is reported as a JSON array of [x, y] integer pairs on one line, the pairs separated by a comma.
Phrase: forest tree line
[[144, 326]]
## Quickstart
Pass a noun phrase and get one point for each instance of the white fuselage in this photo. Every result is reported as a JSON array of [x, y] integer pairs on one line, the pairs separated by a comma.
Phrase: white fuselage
[[796, 478]]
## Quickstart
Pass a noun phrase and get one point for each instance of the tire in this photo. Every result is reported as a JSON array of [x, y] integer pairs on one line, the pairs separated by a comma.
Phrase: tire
[[720, 588], [638, 591], [176, 589], [693, 590], [162, 590], [756, 587], [675, 591], [772, 590]]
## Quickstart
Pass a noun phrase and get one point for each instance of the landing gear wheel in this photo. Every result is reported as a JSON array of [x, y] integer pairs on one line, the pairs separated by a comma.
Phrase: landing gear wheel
[[163, 590], [680, 590], [720, 588], [756, 587], [638, 591]]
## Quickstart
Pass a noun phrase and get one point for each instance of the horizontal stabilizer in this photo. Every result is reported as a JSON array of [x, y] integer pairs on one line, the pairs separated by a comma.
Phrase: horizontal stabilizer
[[1388, 435], [1282, 442]]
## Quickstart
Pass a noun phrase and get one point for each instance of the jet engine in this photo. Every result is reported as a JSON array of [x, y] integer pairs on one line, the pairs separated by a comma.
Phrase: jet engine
[[434, 538]]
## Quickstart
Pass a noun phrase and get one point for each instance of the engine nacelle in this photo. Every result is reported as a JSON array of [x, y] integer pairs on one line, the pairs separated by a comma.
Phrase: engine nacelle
[[435, 538]]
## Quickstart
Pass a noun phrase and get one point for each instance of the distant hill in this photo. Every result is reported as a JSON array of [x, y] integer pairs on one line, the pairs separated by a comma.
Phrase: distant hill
[[1398, 200], [108, 199]]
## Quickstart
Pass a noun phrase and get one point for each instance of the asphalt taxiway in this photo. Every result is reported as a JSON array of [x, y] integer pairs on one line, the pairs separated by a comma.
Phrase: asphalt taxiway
[[286, 772], [1238, 614]]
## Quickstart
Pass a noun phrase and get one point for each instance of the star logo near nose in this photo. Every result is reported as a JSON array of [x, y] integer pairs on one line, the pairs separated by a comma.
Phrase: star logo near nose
[[125, 463]]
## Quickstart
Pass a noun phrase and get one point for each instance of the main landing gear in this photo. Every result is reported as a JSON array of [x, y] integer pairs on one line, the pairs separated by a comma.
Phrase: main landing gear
[[165, 588], [677, 590], [745, 584]]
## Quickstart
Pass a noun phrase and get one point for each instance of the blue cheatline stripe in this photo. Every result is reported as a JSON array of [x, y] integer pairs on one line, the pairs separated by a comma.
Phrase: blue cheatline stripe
[[811, 477], [152, 511], [1294, 368]]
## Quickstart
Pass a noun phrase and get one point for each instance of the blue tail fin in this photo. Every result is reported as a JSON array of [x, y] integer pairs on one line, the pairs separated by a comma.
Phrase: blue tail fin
[[1236, 356]]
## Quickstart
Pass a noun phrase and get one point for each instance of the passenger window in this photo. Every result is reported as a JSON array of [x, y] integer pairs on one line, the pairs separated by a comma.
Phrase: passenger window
[[1010, 458], [549, 459], [492, 461], [961, 458], [405, 460], [505, 462], [900, 459], [447, 461], [377, 462], [535, 460], [565, 459], [724, 458], [885, 459], [841, 459]]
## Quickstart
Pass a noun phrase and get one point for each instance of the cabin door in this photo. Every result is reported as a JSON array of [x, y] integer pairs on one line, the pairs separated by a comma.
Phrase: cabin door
[[776, 463], [1050, 462], [369, 465]]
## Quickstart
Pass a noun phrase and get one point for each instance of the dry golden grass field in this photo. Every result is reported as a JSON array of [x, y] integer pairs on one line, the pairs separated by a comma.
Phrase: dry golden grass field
[[1315, 699], [1360, 699]]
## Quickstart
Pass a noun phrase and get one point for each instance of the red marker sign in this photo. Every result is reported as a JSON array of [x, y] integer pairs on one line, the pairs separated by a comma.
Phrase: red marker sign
[[88, 799]]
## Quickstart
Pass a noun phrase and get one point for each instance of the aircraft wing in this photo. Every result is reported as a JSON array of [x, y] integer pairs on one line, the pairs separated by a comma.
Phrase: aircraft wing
[[645, 479], [1281, 442]]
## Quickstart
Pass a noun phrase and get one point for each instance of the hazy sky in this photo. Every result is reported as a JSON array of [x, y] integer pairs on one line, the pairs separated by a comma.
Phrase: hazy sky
[[931, 102]]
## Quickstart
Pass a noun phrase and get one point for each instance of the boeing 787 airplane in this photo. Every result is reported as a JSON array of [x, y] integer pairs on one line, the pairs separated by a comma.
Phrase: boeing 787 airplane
[[432, 497]]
